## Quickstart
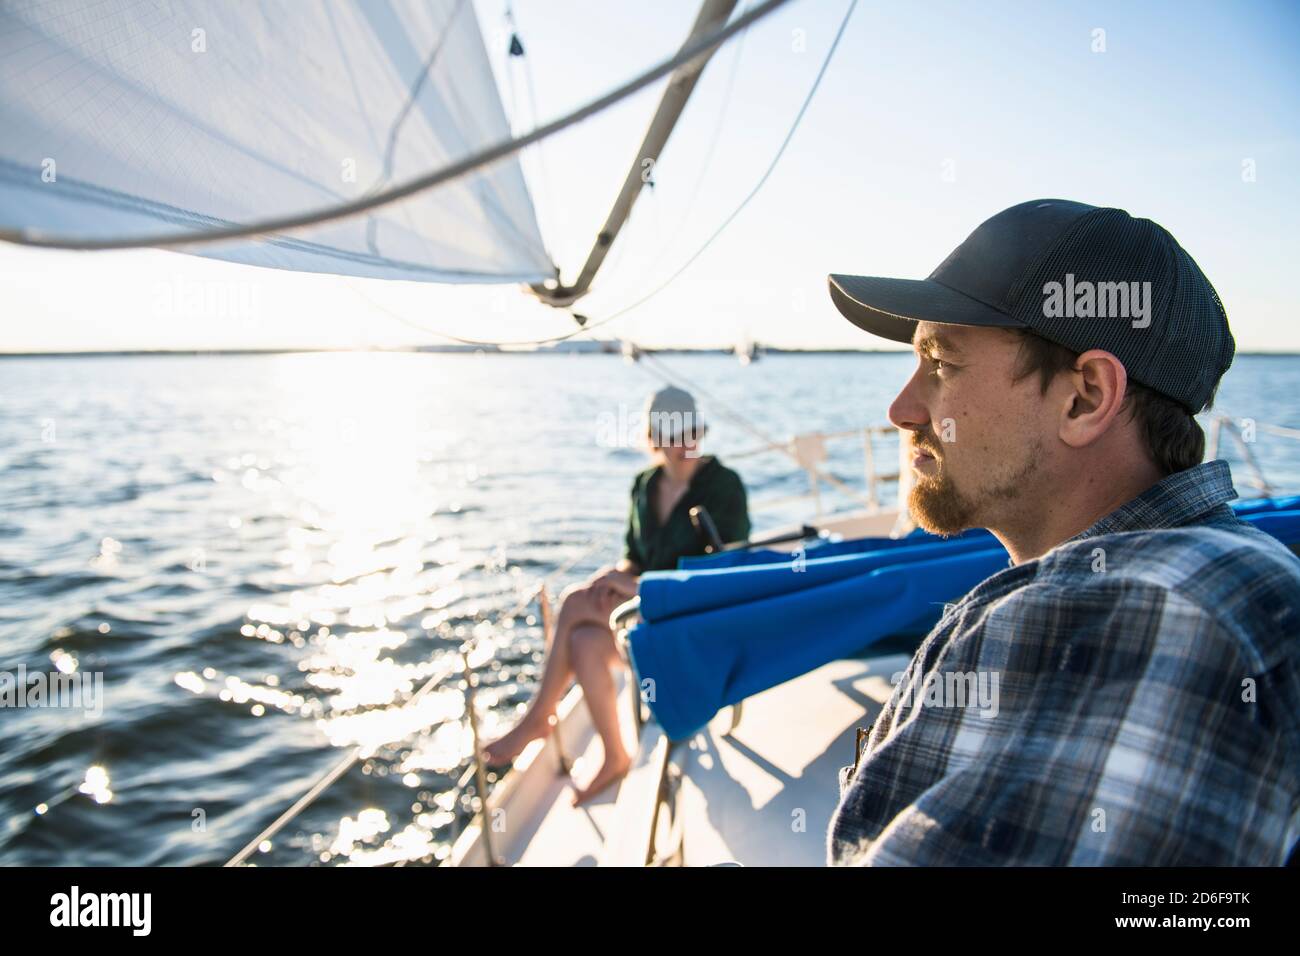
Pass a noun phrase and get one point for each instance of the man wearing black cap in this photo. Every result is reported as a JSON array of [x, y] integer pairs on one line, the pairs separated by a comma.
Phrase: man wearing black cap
[[1145, 640]]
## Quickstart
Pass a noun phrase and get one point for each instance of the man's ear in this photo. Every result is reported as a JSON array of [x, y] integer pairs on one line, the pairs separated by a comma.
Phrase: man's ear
[[1096, 388]]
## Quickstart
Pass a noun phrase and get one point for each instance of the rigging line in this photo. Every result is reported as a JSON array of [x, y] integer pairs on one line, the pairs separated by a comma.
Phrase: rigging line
[[592, 326], [636, 215], [830, 53], [507, 69], [508, 73], [667, 374], [487, 343], [331, 775], [447, 173], [400, 120], [486, 191], [395, 130], [785, 448], [539, 151], [803, 109], [708, 155], [456, 338], [644, 223]]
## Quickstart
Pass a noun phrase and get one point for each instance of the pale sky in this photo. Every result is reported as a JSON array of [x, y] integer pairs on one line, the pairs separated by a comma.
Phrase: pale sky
[[932, 117]]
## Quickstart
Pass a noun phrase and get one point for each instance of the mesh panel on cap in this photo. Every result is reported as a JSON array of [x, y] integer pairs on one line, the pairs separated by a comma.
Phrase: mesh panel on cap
[[1187, 345]]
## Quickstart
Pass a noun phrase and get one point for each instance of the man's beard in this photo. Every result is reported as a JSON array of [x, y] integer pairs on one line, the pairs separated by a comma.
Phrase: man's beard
[[940, 507]]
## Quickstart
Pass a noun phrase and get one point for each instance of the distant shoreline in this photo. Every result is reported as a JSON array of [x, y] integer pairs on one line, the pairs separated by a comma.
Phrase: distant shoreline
[[469, 350], [449, 350]]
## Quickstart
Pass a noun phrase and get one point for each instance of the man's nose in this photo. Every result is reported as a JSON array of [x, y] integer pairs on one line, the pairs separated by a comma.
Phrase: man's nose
[[907, 410]]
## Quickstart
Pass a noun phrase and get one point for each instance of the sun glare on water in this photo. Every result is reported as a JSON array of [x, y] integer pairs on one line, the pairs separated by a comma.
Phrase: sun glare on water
[[364, 572]]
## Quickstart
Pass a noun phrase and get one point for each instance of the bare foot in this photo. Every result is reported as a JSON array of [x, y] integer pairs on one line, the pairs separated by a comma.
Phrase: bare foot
[[614, 769], [504, 749]]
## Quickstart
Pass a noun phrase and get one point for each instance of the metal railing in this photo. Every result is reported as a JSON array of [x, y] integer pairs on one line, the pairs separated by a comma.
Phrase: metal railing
[[1237, 430], [808, 450]]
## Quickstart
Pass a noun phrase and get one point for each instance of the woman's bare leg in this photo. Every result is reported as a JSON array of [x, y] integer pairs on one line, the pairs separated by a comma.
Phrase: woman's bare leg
[[576, 607], [593, 656]]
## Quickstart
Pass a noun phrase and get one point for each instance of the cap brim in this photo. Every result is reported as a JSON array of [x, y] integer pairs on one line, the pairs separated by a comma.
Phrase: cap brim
[[891, 308]]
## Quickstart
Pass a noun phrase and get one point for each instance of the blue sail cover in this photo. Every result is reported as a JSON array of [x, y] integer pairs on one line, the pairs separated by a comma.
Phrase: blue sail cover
[[723, 628]]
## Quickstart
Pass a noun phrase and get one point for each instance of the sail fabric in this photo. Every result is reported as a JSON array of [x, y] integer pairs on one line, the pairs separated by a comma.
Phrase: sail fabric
[[712, 637], [133, 118]]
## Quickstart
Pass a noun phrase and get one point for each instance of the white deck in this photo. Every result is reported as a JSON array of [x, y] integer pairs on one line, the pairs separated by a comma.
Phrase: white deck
[[540, 826], [565, 835], [764, 796]]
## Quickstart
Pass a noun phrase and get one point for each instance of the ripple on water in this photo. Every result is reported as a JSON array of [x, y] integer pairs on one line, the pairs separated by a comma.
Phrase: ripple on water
[[289, 546]]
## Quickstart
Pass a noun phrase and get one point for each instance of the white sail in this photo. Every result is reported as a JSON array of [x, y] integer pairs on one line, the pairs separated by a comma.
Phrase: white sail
[[131, 118]]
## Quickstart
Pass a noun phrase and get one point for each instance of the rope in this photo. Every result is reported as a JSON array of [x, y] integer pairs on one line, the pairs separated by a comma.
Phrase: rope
[[343, 766], [708, 155], [396, 127], [591, 326], [456, 170], [339, 769], [319, 787], [738, 418], [757, 186], [543, 176]]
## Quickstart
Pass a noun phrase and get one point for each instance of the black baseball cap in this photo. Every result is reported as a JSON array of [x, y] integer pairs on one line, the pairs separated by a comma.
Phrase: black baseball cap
[[1085, 277]]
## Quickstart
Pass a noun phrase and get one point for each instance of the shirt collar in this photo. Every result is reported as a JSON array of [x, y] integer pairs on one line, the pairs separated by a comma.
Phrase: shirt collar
[[706, 463], [1175, 500]]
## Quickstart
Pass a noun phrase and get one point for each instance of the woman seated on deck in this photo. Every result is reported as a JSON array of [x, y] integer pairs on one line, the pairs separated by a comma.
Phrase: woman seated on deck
[[659, 532]]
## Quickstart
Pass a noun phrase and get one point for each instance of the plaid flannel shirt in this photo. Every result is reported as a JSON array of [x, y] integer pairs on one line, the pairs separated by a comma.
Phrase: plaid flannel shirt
[[1132, 697]]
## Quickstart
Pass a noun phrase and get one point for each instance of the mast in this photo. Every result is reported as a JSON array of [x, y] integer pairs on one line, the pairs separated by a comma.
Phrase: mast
[[713, 14]]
